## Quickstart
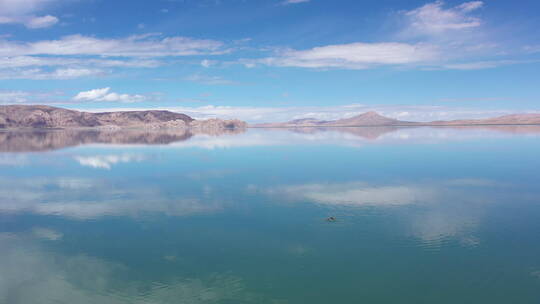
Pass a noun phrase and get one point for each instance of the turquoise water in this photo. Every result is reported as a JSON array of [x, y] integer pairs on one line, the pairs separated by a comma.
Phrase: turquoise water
[[423, 215]]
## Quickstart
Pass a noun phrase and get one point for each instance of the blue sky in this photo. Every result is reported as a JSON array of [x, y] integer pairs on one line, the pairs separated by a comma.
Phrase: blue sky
[[275, 59]]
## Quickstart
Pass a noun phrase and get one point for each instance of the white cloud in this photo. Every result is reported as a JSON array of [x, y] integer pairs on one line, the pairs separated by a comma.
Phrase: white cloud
[[105, 94], [434, 19], [23, 12], [21, 7], [149, 45], [10, 97], [532, 49], [39, 61], [355, 55], [206, 63], [39, 74], [471, 6], [208, 79], [83, 56], [41, 22], [286, 2], [478, 65], [69, 73]]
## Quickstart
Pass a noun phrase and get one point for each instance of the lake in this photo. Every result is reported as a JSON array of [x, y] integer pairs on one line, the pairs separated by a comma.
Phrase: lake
[[420, 215]]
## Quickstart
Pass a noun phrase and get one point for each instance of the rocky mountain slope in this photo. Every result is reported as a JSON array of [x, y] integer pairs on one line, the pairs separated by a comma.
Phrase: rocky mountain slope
[[23, 116]]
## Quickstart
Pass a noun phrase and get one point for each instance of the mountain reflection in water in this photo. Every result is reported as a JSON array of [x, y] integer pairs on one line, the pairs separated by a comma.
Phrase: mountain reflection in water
[[46, 140]]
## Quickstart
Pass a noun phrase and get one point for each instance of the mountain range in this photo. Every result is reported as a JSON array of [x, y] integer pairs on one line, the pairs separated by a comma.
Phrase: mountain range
[[40, 117], [373, 119]]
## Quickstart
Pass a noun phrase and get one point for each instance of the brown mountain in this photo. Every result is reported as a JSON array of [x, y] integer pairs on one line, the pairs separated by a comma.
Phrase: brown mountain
[[23, 116], [373, 119], [367, 119]]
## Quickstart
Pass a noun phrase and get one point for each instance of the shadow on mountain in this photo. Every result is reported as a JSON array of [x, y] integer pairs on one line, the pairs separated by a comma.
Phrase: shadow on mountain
[[45, 140]]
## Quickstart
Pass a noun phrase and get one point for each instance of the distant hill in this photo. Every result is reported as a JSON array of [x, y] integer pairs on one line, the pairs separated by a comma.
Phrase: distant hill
[[514, 119], [373, 119], [38, 117]]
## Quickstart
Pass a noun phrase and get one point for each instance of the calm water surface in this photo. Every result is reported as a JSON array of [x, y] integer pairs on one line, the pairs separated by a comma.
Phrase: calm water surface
[[423, 215]]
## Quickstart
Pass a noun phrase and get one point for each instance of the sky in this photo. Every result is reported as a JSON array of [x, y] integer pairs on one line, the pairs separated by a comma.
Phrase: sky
[[274, 60]]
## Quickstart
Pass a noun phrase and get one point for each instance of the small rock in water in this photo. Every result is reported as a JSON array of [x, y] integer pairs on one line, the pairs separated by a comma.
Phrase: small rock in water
[[331, 219]]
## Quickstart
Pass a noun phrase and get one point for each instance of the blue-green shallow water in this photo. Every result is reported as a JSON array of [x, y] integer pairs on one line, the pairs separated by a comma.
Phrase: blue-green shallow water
[[423, 216]]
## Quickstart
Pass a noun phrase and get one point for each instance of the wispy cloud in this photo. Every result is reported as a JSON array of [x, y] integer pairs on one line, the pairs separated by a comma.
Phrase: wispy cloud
[[78, 56], [149, 45], [208, 79], [13, 96], [60, 73], [354, 55], [10, 97], [45, 61]]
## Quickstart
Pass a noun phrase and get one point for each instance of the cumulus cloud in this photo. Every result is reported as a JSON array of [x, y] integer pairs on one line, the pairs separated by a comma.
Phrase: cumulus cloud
[[105, 94], [23, 12]]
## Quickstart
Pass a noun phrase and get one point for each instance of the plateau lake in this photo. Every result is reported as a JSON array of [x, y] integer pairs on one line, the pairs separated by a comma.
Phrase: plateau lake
[[419, 215]]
